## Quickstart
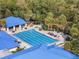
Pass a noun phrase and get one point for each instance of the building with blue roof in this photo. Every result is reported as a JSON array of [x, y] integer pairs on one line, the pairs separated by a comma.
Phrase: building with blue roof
[[12, 22], [43, 52], [7, 41]]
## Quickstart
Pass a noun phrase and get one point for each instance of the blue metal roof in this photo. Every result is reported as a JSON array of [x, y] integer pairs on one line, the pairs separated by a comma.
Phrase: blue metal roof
[[13, 21], [6, 41], [43, 52]]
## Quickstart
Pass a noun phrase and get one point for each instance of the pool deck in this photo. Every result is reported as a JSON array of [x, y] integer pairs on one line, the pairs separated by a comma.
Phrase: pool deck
[[60, 38], [26, 45], [4, 53]]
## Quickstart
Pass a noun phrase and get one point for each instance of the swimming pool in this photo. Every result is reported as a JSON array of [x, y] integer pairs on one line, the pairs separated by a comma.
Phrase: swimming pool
[[34, 38]]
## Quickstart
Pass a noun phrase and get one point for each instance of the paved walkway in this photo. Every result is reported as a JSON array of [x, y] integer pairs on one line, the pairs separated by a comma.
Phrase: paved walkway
[[4, 53]]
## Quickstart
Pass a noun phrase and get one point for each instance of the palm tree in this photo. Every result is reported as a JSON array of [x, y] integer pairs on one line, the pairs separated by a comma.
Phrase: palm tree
[[2, 23]]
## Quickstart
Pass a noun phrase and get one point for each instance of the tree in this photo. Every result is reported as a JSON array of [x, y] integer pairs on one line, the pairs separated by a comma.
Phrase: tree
[[76, 21], [74, 32], [72, 46], [6, 7], [62, 21], [49, 21], [68, 46]]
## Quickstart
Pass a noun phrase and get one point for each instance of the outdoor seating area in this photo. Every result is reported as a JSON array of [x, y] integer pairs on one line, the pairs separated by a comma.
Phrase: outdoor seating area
[[56, 34]]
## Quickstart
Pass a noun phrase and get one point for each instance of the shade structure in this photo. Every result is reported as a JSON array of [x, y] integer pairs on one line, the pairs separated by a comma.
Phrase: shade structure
[[7, 41], [14, 21], [43, 52]]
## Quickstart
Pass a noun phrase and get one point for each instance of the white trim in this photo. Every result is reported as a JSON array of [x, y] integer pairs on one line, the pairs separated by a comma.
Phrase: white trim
[[19, 27], [7, 29], [14, 28]]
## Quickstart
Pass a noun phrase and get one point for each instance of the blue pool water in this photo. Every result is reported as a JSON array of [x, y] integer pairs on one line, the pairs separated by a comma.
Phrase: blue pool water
[[34, 38]]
